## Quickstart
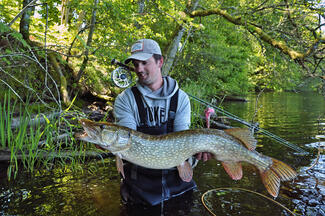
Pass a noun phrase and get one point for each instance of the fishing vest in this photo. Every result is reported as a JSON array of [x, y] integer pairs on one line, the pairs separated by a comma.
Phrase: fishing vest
[[152, 186]]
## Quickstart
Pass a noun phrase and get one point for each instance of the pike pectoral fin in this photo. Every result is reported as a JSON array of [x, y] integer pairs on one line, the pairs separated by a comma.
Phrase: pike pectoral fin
[[233, 169], [119, 166], [244, 135], [272, 177], [185, 171]]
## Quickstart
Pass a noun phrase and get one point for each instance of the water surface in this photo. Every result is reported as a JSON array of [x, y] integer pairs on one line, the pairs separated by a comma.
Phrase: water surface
[[94, 190]]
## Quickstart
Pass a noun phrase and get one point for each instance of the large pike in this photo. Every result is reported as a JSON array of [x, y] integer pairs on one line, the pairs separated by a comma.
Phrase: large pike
[[230, 146]]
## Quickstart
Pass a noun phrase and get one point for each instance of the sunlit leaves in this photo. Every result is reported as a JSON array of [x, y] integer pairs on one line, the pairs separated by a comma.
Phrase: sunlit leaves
[[233, 57]]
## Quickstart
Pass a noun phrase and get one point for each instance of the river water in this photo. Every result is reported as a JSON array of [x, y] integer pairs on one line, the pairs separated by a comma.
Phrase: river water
[[94, 189]]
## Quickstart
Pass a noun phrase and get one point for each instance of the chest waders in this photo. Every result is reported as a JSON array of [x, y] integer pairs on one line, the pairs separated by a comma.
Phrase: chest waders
[[152, 186]]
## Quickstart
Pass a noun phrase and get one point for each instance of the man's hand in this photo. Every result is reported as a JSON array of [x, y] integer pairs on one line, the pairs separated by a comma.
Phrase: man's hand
[[204, 156], [98, 146]]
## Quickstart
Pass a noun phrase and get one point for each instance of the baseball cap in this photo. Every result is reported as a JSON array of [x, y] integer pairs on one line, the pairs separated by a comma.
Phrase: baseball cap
[[143, 49]]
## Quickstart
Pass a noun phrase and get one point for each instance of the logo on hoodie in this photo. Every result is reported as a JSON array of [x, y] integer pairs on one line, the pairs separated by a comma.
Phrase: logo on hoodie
[[155, 115]]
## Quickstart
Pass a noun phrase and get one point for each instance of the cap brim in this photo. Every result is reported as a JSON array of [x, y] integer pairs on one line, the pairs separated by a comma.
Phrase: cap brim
[[138, 56]]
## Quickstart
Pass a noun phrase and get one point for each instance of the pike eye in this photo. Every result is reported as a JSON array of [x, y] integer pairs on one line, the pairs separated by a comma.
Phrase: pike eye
[[102, 126]]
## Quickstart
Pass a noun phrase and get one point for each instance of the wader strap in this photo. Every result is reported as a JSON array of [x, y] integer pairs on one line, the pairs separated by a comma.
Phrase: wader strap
[[141, 109], [172, 112]]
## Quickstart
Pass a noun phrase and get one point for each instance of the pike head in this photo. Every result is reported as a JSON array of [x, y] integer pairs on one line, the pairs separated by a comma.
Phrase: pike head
[[107, 135]]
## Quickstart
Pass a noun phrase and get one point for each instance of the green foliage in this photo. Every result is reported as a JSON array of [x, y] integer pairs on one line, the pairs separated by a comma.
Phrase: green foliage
[[8, 10], [202, 91], [224, 57], [3, 28], [217, 57]]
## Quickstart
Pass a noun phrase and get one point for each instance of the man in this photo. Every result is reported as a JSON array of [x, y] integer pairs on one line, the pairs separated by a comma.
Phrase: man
[[155, 105]]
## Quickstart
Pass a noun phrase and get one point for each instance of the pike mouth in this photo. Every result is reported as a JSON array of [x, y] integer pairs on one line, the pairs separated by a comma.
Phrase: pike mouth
[[81, 135], [91, 130]]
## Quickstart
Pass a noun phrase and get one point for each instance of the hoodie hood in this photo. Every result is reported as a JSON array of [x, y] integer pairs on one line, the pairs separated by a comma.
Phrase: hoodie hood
[[168, 89]]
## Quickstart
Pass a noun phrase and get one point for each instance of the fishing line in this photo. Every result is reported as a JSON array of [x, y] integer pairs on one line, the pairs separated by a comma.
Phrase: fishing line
[[241, 189], [316, 161], [319, 137]]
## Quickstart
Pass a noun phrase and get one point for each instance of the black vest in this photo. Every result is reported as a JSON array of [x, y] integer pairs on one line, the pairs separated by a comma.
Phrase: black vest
[[153, 186]]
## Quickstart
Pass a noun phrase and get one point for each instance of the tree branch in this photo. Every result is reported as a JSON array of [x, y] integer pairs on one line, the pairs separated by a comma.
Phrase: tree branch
[[21, 12], [281, 45]]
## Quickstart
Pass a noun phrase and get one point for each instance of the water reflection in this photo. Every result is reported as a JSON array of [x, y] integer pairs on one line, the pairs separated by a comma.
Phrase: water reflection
[[297, 118]]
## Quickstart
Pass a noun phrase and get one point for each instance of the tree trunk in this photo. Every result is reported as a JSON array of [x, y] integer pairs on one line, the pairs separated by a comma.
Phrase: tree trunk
[[64, 12], [5, 155], [173, 47], [21, 12], [89, 40], [25, 20], [34, 120], [172, 51], [141, 4], [63, 81]]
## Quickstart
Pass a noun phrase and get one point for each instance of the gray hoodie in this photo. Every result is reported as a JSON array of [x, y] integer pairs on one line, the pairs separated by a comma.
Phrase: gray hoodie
[[157, 105]]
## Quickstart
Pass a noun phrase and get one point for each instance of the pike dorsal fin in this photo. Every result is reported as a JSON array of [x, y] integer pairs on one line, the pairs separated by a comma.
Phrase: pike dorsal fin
[[243, 135]]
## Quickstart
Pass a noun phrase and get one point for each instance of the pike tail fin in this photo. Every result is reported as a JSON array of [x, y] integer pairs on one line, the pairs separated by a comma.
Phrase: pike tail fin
[[278, 172]]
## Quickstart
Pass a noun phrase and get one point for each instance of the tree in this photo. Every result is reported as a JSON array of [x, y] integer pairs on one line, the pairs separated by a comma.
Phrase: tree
[[89, 40], [296, 31], [176, 41], [237, 44], [64, 12]]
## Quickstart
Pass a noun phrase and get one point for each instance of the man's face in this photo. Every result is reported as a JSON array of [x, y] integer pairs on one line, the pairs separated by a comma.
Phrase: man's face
[[148, 71]]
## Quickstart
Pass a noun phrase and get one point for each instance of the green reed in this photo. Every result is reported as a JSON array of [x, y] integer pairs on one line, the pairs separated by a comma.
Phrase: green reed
[[5, 126], [34, 146]]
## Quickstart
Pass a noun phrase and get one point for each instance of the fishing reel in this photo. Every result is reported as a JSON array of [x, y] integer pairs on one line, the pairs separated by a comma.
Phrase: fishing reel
[[121, 76]]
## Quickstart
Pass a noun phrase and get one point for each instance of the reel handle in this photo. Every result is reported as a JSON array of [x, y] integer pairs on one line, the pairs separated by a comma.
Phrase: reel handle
[[115, 62]]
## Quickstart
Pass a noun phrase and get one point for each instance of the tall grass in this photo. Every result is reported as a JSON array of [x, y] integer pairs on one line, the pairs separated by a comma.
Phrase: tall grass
[[24, 142]]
